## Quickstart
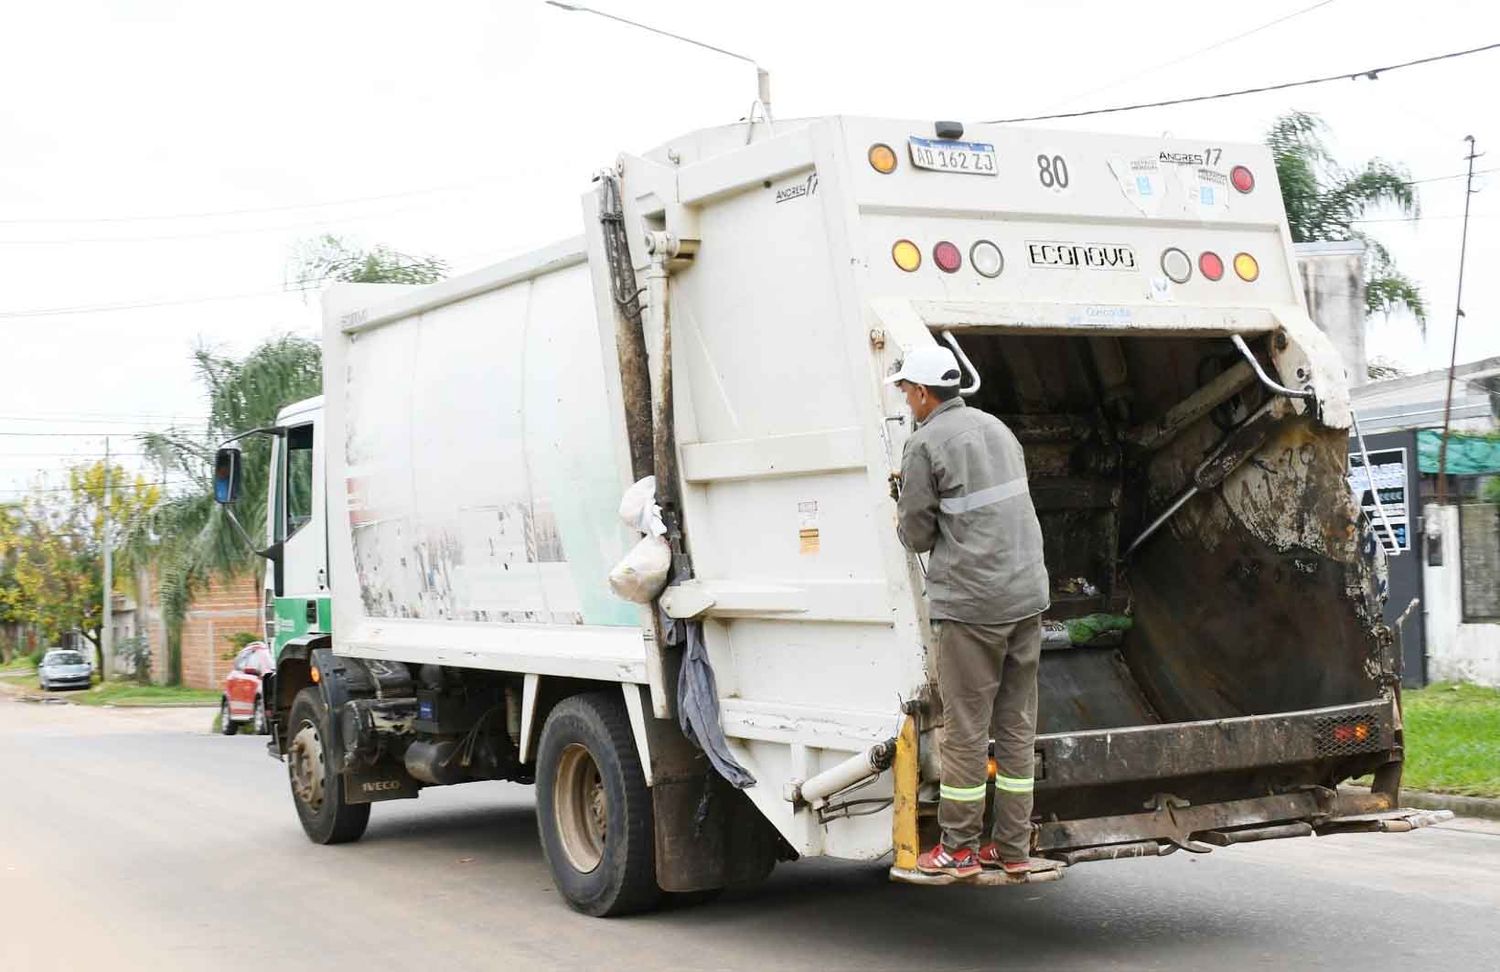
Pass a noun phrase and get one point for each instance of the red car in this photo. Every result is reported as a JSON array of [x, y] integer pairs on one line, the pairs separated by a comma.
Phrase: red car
[[242, 702]]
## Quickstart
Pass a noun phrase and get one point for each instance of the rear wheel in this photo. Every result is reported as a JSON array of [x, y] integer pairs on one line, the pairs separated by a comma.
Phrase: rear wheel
[[262, 727], [226, 725], [317, 790], [594, 810]]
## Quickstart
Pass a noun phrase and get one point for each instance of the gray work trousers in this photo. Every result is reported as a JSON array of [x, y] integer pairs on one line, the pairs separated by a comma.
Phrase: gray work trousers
[[987, 682]]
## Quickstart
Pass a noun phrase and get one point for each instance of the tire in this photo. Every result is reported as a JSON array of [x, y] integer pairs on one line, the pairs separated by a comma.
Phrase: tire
[[261, 725], [326, 816], [594, 810], [227, 726]]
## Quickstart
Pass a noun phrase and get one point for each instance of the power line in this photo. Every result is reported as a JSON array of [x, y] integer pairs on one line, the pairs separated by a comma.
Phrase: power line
[[253, 210], [1420, 219], [69, 489], [1456, 175], [1370, 73], [210, 234], [108, 308], [80, 435], [1202, 50], [122, 420]]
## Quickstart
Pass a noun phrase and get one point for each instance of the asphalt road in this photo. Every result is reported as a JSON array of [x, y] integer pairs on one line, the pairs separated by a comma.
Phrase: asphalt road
[[132, 839]]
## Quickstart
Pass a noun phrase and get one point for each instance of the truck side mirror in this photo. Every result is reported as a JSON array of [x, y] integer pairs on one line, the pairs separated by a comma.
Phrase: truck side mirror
[[227, 475]]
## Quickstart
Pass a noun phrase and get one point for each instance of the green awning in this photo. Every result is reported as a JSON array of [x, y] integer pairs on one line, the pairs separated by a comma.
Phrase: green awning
[[1468, 454]]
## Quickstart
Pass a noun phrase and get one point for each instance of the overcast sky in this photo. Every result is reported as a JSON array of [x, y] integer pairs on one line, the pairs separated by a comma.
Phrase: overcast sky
[[174, 154]]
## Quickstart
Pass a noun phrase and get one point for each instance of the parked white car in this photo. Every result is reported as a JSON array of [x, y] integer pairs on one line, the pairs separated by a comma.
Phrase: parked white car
[[64, 668]]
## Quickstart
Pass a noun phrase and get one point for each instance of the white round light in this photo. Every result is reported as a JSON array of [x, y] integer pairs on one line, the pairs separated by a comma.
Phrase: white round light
[[985, 257], [1177, 265]]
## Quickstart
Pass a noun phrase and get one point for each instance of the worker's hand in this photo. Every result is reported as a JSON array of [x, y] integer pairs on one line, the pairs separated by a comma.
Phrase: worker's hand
[[895, 486]]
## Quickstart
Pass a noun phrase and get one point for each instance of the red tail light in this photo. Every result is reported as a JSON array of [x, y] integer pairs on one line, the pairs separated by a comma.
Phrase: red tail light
[[1211, 265], [1242, 178], [947, 257]]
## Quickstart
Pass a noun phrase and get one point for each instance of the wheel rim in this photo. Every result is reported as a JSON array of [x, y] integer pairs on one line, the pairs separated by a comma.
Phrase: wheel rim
[[306, 765], [580, 808]]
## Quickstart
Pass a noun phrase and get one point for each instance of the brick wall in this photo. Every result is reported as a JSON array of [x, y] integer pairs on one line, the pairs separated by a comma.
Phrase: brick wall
[[222, 609]]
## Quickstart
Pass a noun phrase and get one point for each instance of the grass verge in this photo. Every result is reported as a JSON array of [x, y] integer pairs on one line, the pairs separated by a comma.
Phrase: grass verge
[[1453, 739], [20, 663], [133, 693]]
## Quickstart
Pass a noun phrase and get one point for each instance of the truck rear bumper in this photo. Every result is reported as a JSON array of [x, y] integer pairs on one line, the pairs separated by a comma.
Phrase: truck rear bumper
[[1137, 754], [1171, 826]]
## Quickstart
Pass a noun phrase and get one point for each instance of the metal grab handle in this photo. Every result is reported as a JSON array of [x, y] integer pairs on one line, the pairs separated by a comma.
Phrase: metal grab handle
[[963, 359], [1266, 379]]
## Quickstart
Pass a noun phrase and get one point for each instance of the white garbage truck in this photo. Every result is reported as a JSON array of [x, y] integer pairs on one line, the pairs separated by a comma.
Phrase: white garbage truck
[[445, 520]]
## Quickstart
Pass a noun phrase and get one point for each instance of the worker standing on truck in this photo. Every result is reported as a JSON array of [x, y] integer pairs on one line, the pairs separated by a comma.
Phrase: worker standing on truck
[[964, 498]]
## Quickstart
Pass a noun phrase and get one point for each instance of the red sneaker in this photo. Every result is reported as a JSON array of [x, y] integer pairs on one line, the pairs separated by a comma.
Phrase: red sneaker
[[990, 859], [961, 863]]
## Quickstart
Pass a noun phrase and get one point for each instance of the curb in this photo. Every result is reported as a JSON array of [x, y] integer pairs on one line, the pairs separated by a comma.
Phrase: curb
[[1462, 806]]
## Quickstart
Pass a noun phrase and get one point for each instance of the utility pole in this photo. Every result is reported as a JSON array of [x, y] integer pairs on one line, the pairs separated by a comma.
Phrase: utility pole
[[106, 631], [1458, 313]]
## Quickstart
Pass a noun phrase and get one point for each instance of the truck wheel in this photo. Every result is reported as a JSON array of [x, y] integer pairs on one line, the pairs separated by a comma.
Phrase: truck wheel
[[259, 721], [226, 725], [316, 789], [594, 810]]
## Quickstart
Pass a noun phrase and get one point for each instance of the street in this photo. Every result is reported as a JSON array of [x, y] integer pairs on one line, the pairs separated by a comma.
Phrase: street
[[133, 837]]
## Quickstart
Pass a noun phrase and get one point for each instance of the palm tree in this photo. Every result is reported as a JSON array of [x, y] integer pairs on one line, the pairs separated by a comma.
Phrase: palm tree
[[1324, 200], [190, 537]]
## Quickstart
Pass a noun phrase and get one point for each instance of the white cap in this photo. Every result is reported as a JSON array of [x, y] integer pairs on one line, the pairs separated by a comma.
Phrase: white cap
[[931, 365]]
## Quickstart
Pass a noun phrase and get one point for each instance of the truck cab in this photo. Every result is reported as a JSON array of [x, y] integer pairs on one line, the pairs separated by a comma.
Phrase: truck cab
[[298, 602]]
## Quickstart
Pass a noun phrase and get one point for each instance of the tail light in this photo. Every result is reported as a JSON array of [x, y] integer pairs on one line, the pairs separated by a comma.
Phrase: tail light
[[1246, 267], [882, 158], [1211, 265], [906, 255], [986, 258], [947, 257], [1242, 178], [1177, 265]]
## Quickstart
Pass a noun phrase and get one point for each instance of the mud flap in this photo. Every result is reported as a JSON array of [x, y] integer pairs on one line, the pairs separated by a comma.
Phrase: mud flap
[[375, 784]]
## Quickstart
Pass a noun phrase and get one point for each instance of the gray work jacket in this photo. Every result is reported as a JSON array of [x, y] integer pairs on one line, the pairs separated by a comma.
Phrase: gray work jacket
[[964, 498]]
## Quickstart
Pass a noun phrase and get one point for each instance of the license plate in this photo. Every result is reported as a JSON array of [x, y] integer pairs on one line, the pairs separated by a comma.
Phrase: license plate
[[942, 155]]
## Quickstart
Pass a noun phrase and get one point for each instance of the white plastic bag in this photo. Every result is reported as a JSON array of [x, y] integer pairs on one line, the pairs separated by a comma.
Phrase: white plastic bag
[[639, 510], [642, 573]]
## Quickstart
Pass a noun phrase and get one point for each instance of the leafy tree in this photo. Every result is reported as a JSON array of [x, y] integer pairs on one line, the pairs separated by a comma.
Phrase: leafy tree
[[1323, 200], [330, 258], [52, 544]]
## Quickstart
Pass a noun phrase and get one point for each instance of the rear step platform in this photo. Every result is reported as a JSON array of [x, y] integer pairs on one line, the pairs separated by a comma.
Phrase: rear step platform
[[989, 879]]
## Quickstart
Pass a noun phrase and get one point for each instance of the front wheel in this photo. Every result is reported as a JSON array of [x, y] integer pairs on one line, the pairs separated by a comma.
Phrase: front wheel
[[226, 724], [594, 810], [317, 790]]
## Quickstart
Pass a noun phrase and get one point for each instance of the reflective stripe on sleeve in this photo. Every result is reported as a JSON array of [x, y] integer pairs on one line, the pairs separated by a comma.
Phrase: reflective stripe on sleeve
[[983, 497], [1014, 784], [963, 794]]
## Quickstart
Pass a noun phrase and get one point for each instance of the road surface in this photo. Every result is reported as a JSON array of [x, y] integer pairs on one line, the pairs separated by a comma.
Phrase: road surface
[[133, 839]]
